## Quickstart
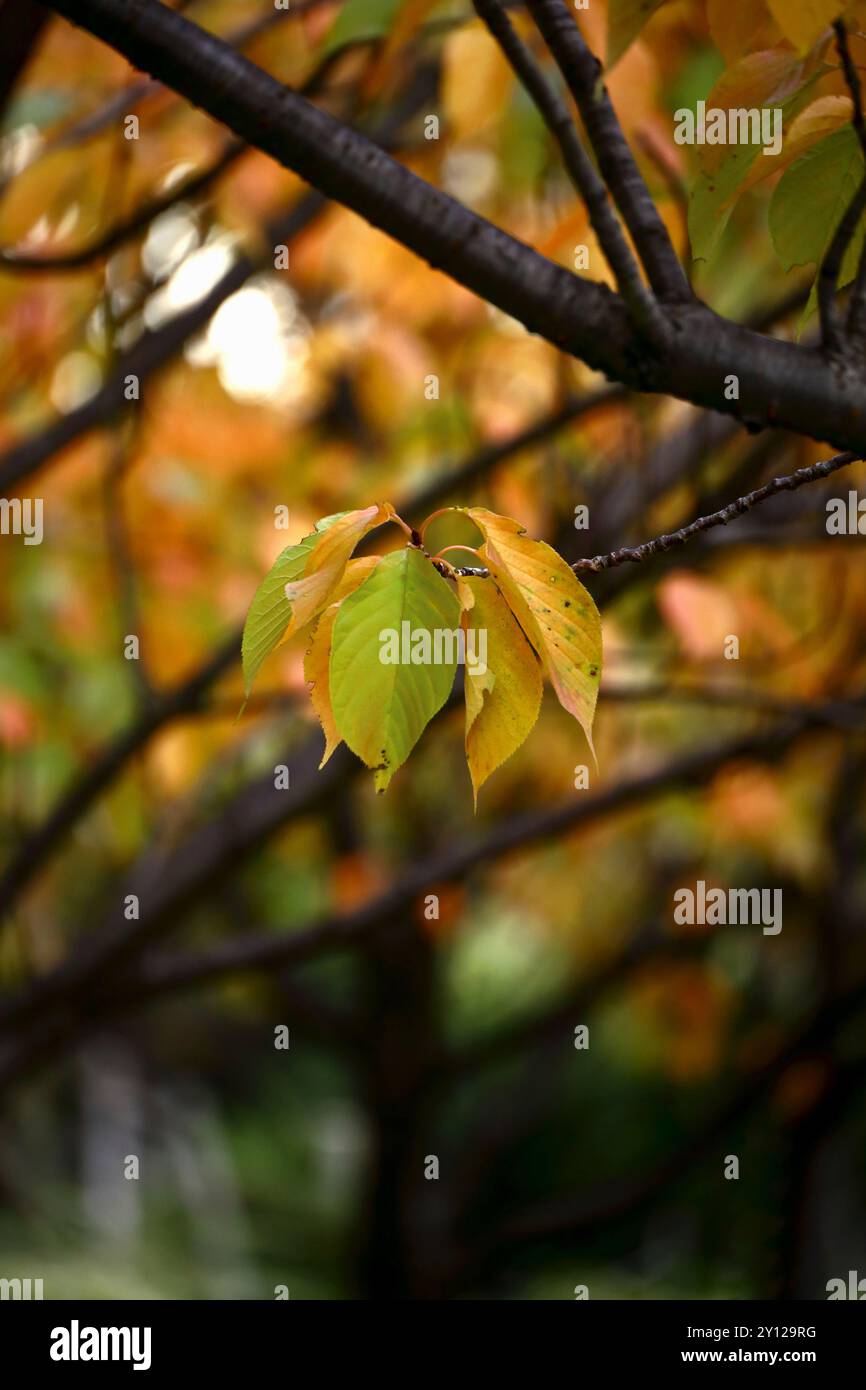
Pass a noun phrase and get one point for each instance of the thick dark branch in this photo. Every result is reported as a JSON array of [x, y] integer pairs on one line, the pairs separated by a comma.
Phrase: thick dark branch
[[580, 167], [583, 74], [351, 169], [778, 383], [129, 227]]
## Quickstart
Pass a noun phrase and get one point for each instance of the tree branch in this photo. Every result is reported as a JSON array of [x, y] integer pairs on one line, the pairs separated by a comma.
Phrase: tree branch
[[636, 554], [581, 169], [164, 886], [583, 74], [856, 324], [778, 383], [789, 483]]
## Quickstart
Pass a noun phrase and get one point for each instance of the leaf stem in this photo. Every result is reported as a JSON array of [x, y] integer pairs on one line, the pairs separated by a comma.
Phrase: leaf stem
[[440, 511]]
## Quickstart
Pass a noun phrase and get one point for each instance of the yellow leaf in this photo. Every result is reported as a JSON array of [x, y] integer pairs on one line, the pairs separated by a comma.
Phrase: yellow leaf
[[354, 575], [503, 700], [328, 558], [318, 656], [802, 21], [464, 593], [554, 609], [818, 119], [316, 662]]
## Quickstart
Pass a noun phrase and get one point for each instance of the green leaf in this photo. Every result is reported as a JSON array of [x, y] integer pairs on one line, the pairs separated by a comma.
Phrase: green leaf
[[358, 20], [625, 19], [810, 200], [270, 611], [712, 198], [381, 707], [773, 78]]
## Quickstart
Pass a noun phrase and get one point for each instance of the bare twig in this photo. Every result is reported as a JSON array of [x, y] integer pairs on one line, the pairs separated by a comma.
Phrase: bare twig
[[636, 554]]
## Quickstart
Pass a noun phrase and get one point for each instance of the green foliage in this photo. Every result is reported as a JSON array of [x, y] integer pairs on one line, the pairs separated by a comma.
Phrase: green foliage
[[381, 709], [269, 613], [810, 201]]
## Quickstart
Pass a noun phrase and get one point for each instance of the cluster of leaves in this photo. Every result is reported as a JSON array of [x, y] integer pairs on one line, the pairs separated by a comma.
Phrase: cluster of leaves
[[778, 54], [535, 613]]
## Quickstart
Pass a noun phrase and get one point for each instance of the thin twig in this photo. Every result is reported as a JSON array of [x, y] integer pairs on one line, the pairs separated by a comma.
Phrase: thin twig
[[832, 337], [636, 554], [788, 483]]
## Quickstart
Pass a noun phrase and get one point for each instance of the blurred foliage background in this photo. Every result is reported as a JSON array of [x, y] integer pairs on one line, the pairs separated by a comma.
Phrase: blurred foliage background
[[304, 388]]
